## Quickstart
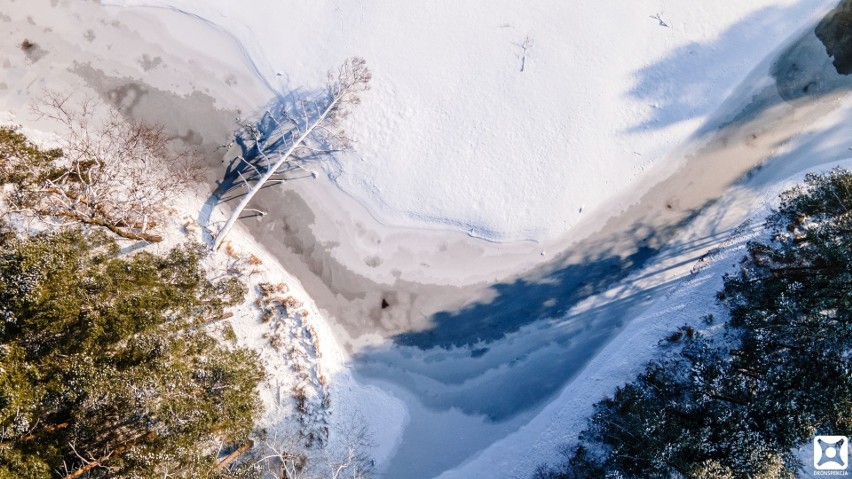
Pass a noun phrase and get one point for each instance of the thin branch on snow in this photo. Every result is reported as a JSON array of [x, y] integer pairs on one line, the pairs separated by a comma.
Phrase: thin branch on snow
[[659, 18], [525, 47]]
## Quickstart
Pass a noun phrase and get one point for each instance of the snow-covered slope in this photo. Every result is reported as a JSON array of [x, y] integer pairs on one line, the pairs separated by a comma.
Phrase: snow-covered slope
[[688, 302], [455, 134]]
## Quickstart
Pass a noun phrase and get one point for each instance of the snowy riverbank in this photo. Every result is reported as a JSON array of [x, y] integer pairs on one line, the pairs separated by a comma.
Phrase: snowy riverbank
[[455, 136], [133, 62], [604, 150]]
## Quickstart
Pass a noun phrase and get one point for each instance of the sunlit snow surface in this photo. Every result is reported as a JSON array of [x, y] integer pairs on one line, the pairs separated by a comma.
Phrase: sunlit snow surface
[[454, 134]]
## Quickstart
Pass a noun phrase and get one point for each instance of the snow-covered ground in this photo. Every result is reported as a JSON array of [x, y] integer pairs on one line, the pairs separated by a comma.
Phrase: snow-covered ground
[[455, 135], [296, 346], [124, 47], [687, 303]]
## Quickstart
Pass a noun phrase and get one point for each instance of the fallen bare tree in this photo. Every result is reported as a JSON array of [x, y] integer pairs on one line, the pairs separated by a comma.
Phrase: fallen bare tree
[[309, 128], [112, 172]]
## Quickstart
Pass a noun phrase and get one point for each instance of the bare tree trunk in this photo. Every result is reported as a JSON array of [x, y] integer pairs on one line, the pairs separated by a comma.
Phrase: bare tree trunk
[[117, 451], [124, 233], [220, 237], [233, 456], [352, 78]]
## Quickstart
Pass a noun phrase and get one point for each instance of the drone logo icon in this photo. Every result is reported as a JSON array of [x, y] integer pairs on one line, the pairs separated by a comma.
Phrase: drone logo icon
[[831, 453]]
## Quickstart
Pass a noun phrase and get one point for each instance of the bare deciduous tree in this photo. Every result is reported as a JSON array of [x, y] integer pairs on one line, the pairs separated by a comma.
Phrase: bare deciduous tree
[[116, 173], [287, 457], [311, 127], [351, 461]]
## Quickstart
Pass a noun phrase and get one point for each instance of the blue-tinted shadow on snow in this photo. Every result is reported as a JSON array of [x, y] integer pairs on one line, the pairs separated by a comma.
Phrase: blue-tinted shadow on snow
[[274, 131], [507, 355], [589, 268], [525, 300], [677, 86], [801, 71]]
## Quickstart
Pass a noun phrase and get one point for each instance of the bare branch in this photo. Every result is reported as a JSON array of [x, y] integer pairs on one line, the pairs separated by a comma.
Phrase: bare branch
[[319, 124], [116, 173]]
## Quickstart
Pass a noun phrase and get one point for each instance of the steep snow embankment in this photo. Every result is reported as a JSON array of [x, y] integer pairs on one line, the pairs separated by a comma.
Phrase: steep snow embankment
[[505, 119]]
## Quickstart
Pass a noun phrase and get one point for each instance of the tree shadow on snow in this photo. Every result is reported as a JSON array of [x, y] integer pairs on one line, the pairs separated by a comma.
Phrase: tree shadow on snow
[[507, 354], [677, 85], [486, 338], [586, 270], [247, 164]]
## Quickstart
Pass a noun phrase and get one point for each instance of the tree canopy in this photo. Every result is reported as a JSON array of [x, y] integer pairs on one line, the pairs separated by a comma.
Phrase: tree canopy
[[105, 367]]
